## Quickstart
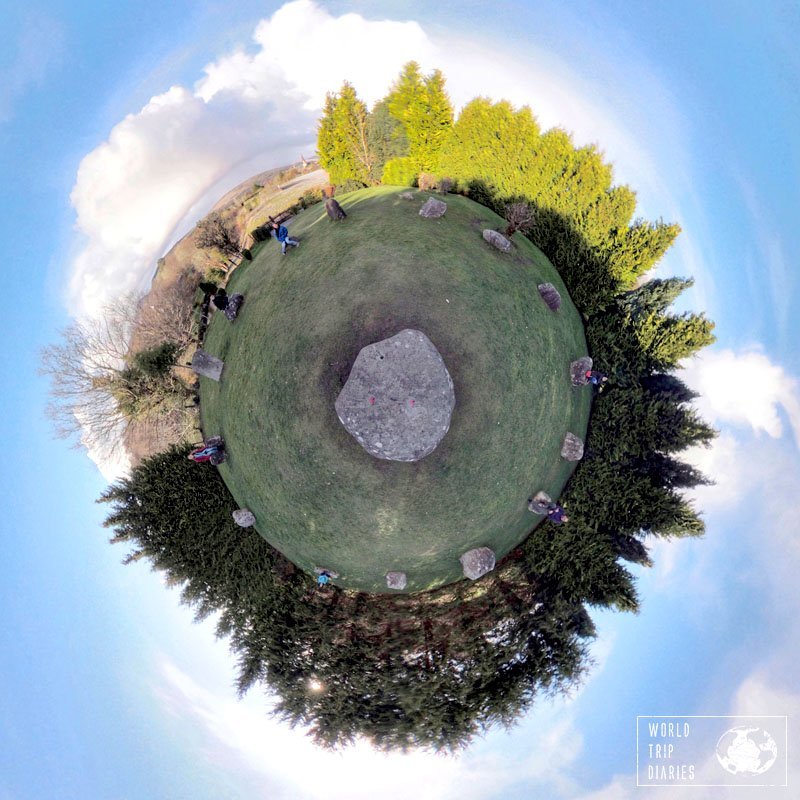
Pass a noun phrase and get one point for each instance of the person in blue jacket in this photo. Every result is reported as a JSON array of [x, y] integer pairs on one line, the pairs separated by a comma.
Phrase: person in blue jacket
[[282, 235]]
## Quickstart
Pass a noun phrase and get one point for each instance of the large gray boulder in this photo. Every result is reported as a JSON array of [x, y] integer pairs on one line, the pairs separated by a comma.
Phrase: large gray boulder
[[572, 449], [497, 240], [399, 398], [433, 208], [207, 365], [550, 296], [578, 370], [396, 580], [477, 562]]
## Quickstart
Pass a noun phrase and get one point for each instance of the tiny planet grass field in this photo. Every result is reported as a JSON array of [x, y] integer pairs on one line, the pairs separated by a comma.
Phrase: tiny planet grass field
[[317, 495]]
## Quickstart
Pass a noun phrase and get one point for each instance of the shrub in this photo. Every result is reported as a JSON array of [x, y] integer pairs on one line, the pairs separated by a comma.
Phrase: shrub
[[427, 182], [445, 185], [349, 186], [310, 198], [399, 172], [246, 254], [519, 217], [157, 361], [479, 191], [261, 233]]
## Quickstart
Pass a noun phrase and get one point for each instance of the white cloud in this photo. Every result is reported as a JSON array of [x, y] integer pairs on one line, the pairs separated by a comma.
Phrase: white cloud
[[306, 46], [134, 188], [745, 395], [745, 388]]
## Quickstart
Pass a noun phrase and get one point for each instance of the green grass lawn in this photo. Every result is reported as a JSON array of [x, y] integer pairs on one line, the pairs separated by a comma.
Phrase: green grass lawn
[[319, 497]]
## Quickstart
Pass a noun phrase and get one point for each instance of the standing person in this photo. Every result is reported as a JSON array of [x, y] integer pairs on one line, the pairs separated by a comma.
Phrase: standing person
[[282, 235]]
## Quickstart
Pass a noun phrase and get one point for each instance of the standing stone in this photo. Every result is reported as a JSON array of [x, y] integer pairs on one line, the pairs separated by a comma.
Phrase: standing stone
[[572, 449], [207, 365], [497, 240], [477, 562], [399, 398], [539, 503], [578, 370], [234, 304], [244, 518], [396, 580], [335, 211], [433, 208], [550, 296]]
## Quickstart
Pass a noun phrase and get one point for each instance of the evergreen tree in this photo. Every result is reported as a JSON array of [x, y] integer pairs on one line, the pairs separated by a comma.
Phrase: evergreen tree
[[351, 122], [157, 362], [491, 143], [386, 136], [343, 138], [424, 109], [329, 147], [655, 296], [403, 671], [406, 94], [428, 123]]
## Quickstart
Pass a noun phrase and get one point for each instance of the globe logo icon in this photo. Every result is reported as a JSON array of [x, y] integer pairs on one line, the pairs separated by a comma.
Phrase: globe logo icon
[[746, 751]]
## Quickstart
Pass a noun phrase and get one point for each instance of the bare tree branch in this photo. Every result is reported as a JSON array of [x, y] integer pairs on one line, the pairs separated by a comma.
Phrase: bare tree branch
[[165, 314], [95, 393], [213, 232], [519, 217]]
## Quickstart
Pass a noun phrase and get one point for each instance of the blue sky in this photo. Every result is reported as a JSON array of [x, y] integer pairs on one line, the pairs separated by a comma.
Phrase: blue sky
[[108, 689]]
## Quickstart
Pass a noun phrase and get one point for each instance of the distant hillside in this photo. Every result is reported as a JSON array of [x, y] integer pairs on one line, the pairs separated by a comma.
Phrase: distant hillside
[[245, 207]]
